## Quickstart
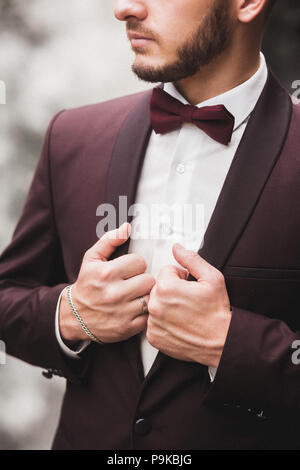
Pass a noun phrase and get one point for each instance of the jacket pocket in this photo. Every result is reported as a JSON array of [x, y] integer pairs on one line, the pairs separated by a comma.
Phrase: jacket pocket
[[262, 273]]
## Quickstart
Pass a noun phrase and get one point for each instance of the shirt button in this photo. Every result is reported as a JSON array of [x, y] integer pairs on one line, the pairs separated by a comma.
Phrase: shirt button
[[180, 168], [48, 374], [142, 427]]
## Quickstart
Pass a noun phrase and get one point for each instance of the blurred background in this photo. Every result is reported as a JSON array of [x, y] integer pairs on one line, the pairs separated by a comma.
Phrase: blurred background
[[62, 54]]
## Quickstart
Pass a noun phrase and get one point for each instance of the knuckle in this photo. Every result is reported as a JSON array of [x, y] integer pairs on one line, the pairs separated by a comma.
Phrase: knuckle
[[149, 281], [140, 326], [151, 338], [105, 298], [122, 325], [218, 277], [87, 276], [139, 262], [150, 305], [105, 273], [88, 270], [86, 255], [110, 295], [150, 324], [153, 306], [164, 287], [121, 331], [86, 260]]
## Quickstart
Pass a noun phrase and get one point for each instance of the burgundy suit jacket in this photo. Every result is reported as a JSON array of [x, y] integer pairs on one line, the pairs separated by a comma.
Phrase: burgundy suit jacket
[[93, 154]]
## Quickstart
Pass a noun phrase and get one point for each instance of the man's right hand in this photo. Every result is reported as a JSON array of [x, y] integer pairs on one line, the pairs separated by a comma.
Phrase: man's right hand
[[106, 293]]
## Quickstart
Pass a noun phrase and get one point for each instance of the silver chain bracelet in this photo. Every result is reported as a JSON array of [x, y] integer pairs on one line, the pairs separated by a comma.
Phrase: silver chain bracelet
[[78, 317]]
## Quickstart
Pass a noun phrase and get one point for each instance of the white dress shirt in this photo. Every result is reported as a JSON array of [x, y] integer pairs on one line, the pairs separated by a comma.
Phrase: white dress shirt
[[185, 168]]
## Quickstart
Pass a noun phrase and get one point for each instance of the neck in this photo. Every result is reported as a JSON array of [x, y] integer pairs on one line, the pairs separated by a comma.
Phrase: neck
[[223, 74]]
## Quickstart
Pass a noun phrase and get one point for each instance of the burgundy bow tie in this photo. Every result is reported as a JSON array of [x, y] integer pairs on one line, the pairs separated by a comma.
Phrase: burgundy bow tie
[[168, 114]]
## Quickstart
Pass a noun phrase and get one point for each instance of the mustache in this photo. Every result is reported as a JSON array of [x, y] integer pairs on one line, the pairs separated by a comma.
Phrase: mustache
[[133, 25]]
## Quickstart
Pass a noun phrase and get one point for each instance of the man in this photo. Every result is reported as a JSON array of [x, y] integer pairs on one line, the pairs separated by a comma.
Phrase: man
[[164, 347]]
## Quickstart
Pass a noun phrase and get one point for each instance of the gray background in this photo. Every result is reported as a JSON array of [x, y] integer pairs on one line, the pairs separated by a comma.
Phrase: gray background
[[63, 54]]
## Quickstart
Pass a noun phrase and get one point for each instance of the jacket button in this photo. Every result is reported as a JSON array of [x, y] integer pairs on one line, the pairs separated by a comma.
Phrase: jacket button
[[261, 415], [142, 427]]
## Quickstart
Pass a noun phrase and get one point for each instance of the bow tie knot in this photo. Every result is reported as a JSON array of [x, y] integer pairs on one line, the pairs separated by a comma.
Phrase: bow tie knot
[[168, 114], [186, 113]]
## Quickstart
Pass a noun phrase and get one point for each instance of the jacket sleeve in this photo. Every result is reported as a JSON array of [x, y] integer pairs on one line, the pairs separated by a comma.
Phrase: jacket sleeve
[[32, 277], [259, 370]]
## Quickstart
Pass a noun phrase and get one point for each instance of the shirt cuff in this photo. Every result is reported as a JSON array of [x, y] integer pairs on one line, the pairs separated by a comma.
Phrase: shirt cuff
[[74, 354], [212, 373]]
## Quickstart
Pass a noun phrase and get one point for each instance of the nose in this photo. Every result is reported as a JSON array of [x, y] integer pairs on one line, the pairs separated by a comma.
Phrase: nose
[[126, 9]]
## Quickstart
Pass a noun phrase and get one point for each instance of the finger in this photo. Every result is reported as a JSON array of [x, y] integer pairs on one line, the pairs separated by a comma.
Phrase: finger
[[139, 324], [135, 308], [168, 281], [107, 244], [139, 286], [171, 273], [140, 304], [127, 266], [193, 262]]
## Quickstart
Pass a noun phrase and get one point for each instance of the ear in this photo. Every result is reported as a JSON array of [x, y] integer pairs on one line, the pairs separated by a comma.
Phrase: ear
[[248, 10]]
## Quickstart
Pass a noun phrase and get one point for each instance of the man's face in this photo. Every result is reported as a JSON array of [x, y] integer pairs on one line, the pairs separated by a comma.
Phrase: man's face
[[174, 39]]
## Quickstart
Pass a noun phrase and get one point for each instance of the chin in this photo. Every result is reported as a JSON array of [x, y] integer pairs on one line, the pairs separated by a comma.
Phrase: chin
[[146, 61], [149, 70]]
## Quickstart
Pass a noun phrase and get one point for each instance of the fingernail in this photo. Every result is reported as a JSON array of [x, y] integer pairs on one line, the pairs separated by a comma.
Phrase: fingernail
[[128, 228]]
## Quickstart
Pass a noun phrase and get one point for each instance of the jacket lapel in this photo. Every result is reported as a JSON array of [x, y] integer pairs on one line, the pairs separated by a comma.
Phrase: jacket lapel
[[127, 161], [123, 176], [254, 160]]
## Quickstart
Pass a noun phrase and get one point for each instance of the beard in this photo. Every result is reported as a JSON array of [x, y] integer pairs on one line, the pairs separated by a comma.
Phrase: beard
[[207, 43]]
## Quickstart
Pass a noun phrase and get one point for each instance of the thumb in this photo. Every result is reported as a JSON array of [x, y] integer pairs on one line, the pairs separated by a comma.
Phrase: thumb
[[197, 266], [107, 244]]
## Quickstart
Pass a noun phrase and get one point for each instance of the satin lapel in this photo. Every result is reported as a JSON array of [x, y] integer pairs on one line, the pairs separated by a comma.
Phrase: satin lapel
[[127, 160], [254, 160], [123, 175]]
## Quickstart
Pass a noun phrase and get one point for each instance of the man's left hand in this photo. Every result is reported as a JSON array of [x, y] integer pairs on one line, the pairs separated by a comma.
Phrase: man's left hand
[[189, 320]]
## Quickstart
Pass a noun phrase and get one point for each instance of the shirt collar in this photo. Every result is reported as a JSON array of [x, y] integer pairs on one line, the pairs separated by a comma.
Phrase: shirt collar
[[240, 101]]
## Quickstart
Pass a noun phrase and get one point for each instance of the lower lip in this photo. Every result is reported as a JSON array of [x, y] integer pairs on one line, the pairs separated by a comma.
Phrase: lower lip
[[140, 42]]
